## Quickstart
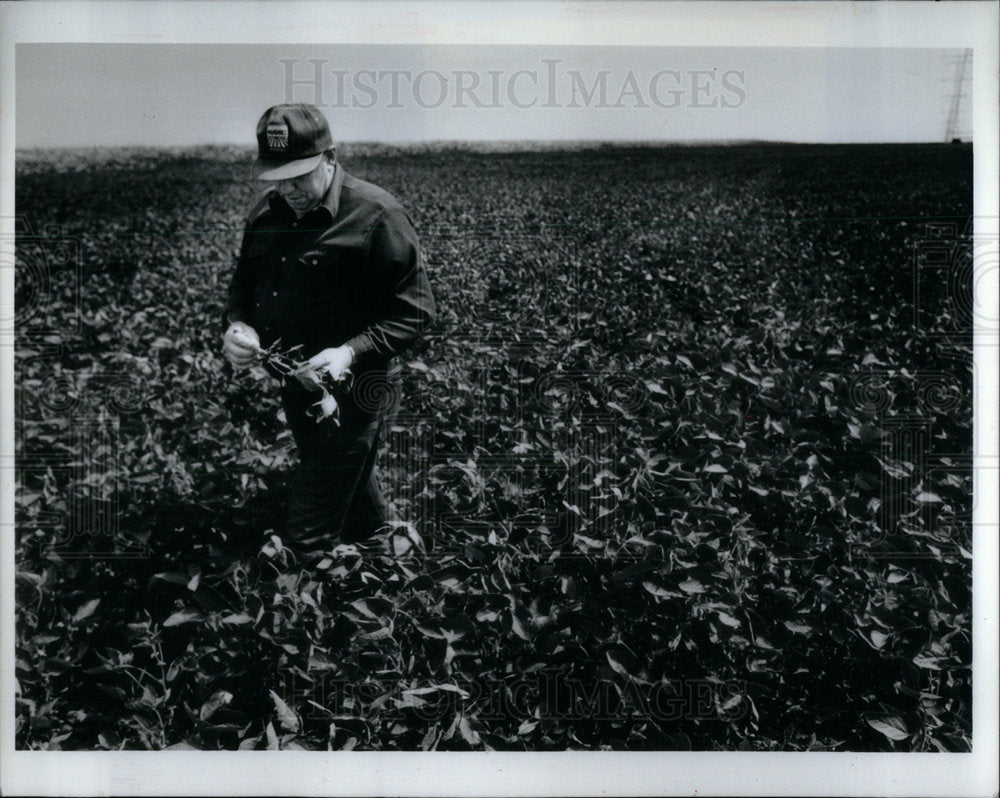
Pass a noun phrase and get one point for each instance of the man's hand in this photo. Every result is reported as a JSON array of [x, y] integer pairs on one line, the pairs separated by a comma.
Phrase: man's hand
[[333, 361], [241, 344]]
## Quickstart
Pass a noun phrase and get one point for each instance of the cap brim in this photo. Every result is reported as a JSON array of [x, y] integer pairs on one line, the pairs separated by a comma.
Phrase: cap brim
[[266, 169]]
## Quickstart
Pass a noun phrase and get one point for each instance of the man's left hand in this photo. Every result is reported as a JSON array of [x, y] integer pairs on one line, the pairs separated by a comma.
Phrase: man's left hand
[[334, 361]]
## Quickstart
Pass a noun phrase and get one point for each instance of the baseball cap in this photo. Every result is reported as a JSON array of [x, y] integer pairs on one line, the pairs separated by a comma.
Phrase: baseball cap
[[291, 140]]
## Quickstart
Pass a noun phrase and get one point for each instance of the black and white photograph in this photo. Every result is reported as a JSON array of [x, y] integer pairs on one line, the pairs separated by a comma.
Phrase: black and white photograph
[[538, 398]]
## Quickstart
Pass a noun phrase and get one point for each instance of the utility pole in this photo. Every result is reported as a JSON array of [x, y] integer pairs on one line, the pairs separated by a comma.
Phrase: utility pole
[[959, 126]]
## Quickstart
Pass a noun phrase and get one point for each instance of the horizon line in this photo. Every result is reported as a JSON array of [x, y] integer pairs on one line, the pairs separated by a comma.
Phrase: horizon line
[[484, 144]]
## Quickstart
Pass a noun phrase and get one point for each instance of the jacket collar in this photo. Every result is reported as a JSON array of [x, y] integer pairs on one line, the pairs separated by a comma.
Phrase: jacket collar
[[331, 200]]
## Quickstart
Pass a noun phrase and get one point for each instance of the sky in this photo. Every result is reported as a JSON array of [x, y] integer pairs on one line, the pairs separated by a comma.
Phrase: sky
[[165, 95]]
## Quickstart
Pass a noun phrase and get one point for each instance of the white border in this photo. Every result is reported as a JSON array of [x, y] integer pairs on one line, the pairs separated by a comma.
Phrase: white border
[[808, 24]]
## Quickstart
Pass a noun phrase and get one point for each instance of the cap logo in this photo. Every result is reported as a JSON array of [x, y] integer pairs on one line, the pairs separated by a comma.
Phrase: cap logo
[[277, 135]]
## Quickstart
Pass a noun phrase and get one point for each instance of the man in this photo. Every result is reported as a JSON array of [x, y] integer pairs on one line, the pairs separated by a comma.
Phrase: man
[[332, 264]]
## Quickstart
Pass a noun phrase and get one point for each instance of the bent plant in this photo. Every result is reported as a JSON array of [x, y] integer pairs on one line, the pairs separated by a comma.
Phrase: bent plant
[[284, 363]]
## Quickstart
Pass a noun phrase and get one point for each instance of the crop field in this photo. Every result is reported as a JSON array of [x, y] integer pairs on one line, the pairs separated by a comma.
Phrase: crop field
[[684, 463]]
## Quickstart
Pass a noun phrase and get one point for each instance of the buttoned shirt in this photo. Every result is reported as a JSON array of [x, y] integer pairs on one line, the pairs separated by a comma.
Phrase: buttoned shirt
[[347, 272]]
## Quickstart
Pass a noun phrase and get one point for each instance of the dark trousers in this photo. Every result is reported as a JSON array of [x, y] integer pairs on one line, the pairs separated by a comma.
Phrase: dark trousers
[[336, 496]]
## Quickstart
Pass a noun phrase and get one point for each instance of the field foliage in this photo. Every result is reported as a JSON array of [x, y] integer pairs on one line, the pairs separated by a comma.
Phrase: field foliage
[[685, 462]]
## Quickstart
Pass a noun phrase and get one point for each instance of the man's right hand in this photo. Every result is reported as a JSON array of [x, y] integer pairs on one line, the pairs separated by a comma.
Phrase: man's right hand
[[241, 344]]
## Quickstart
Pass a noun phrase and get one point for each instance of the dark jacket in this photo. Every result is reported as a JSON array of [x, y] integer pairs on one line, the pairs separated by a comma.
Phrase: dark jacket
[[349, 271]]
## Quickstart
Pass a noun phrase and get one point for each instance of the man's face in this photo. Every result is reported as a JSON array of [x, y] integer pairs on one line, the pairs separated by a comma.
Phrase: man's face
[[304, 192]]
